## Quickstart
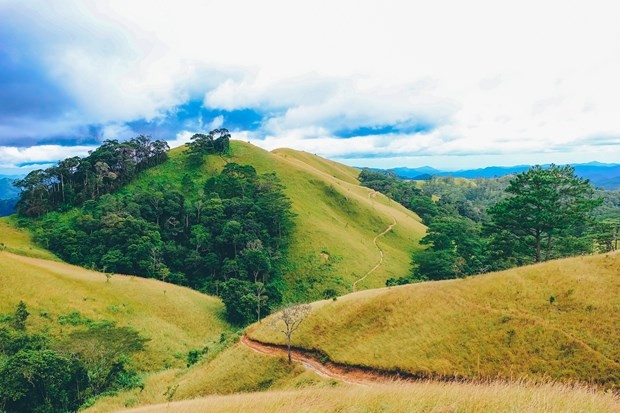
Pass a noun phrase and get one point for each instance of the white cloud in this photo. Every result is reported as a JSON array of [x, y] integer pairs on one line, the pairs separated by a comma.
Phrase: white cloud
[[217, 122], [12, 156], [486, 77]]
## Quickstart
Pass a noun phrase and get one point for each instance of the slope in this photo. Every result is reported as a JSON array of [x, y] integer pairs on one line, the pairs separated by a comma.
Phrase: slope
[[175, 319], [411, 398], [336, 220], [557, 320]]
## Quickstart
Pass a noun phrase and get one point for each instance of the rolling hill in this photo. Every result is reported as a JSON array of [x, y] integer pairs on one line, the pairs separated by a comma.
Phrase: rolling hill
[[173, 318], [555, 320]]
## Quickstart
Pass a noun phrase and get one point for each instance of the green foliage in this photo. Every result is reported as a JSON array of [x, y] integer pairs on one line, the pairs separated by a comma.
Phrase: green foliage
[[21, 315], [404, 192], [237, 227], [76, 180], [240, 300], [547, 208], [215, 142], [39, 374], [193, 356]]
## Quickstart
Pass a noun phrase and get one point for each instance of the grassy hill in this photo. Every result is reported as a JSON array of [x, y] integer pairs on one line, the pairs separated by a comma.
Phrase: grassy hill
[[175, 319], [336, 222], [555, 320]]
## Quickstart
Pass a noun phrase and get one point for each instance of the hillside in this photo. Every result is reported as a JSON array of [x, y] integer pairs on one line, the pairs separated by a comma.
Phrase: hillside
[[63, 298], [174, 319], [336, 219], [557, 320]]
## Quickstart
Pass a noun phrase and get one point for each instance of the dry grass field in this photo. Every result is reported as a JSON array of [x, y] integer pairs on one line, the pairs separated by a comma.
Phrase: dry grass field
[[558, 320], [411, 398]]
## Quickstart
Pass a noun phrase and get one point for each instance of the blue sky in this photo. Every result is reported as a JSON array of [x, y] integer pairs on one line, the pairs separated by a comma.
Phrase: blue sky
[[448, 84]]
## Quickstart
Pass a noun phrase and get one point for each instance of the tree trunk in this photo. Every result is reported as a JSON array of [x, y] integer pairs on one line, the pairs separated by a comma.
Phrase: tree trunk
[[288, 343], [537, 240]]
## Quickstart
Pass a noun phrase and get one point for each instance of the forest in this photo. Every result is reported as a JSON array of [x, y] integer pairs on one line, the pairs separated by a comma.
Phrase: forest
[[229, 240]]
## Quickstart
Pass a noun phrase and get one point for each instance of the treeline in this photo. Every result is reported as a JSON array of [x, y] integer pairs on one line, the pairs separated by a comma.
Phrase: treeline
[[76, 180], [229, 240], [489, 225], [39, 373]]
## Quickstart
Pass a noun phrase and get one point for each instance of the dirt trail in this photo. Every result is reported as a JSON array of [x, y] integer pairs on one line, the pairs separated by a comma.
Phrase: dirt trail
[[351, 375], [388, 229]]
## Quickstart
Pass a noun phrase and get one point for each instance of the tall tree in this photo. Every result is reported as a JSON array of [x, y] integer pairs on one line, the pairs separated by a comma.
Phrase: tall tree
[[545, 204]]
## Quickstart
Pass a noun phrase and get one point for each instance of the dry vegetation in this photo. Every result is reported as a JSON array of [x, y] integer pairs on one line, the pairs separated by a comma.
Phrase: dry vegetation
[[236, 370], [498, 325], [411, 398]]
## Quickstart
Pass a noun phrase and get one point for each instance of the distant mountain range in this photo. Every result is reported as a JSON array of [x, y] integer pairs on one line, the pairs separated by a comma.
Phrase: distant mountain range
[[601, 175], [7, 190], [8, 195]]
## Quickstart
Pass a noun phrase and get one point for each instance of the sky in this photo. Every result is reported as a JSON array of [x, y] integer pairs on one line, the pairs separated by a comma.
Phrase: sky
[[449, 84]]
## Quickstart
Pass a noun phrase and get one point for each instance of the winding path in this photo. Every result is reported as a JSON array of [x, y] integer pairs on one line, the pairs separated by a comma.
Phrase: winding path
[[388, 229], [351, 375]]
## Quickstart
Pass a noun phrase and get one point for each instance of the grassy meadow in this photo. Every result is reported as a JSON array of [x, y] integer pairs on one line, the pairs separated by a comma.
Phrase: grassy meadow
[[430, 397], [175, 319], [557, 320]]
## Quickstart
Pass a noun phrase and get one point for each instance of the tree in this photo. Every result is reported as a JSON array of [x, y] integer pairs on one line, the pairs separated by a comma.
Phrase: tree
[[546, 204], [21, 315], [292, 317]]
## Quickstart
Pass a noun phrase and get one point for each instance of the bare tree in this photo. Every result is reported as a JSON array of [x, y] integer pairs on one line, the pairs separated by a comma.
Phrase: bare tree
[[291, 316]]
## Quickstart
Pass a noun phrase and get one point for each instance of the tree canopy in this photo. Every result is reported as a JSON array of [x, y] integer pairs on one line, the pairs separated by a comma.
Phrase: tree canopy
[[546, 208]]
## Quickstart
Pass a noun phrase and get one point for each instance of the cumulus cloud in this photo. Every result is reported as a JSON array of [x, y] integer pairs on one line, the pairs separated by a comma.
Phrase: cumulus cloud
[[348, 79]]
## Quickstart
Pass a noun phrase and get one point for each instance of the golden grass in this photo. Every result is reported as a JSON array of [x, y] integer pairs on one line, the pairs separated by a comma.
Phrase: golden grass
[[237, 369], [19, 241], [338, 216], [412, 398], [495, 325], [175, 319]]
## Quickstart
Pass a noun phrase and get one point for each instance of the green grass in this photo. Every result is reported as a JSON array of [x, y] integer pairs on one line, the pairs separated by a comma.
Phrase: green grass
[[336, 219], [495, 325], [175, 319]]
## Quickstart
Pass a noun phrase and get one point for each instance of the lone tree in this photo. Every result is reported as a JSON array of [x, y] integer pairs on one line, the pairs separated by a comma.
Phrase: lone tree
[[292, 317], [547, 205], [20, 317]]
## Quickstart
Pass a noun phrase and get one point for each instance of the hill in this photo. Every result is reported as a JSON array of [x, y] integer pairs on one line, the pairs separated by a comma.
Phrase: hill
[[63, 298], [174, 319], [555, 320], [335, 224]]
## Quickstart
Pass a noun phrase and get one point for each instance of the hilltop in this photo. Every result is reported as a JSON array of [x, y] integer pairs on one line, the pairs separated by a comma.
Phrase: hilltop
[[554, 320]]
